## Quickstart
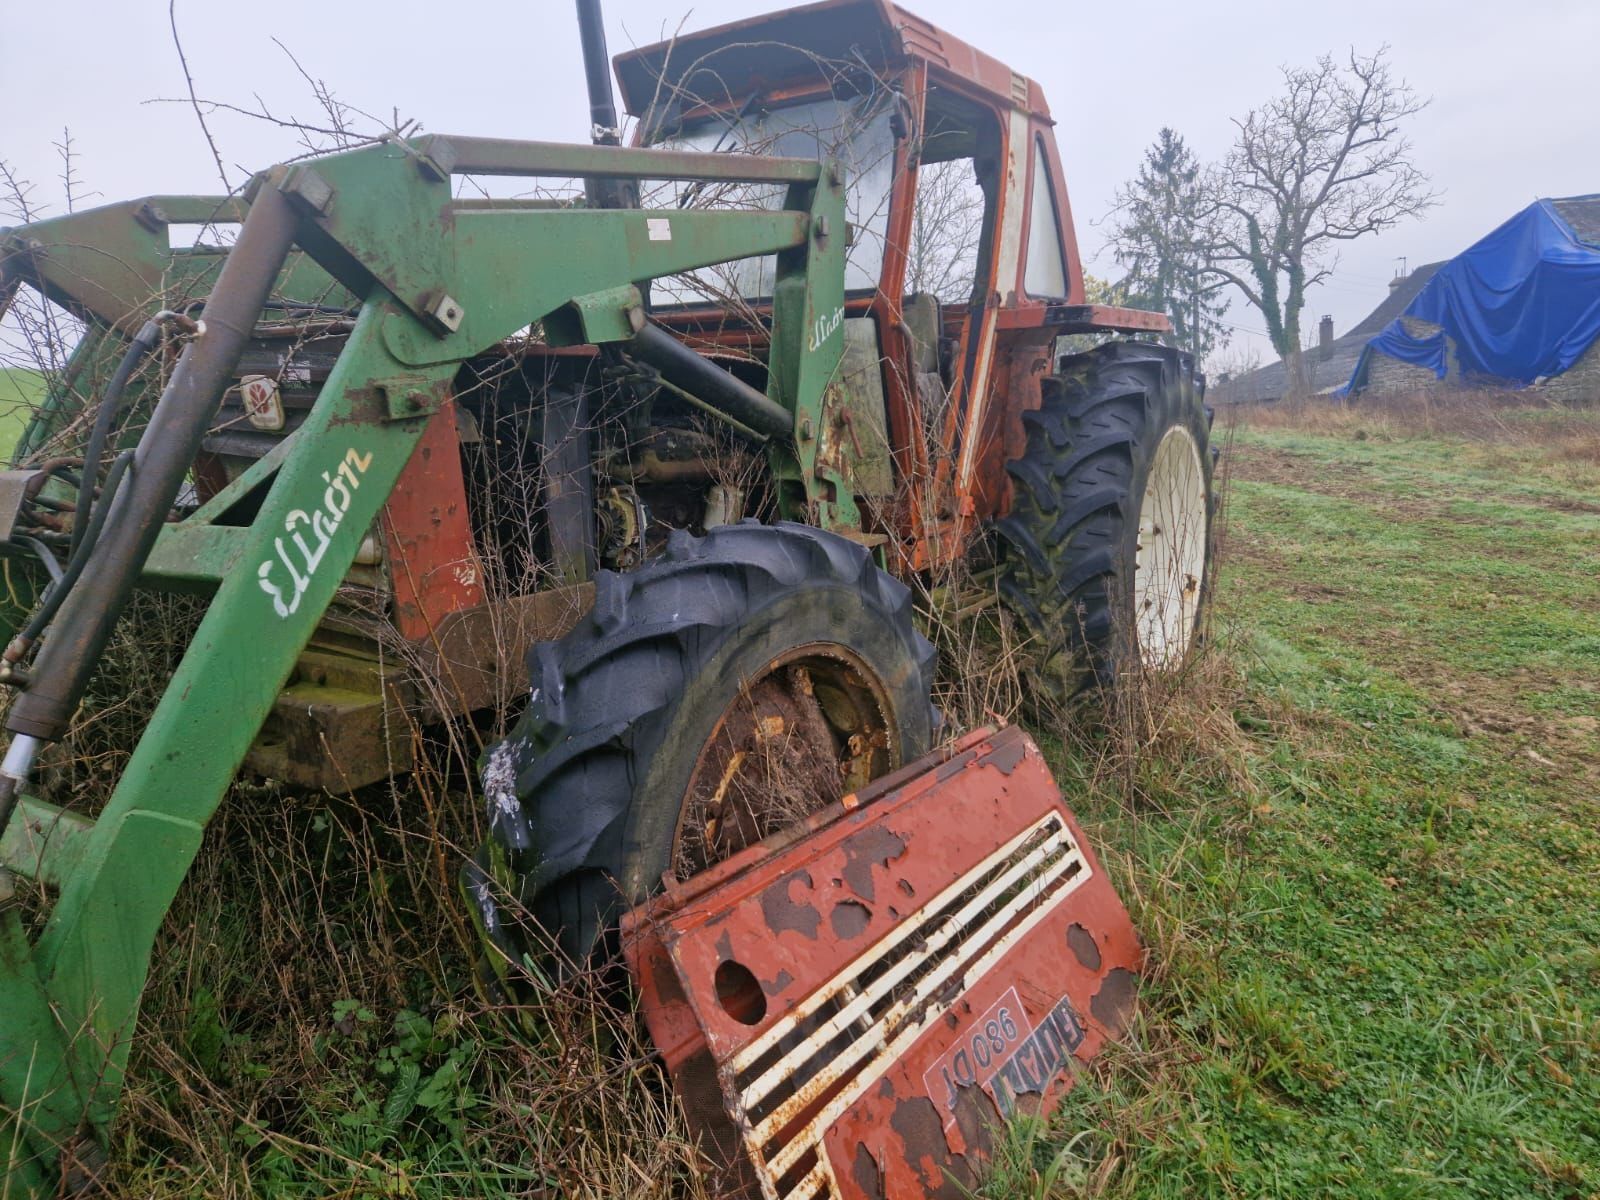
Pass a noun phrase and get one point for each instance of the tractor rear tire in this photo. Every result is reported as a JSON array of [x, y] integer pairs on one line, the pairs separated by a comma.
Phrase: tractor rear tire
[[1106, 550], [655, 728]]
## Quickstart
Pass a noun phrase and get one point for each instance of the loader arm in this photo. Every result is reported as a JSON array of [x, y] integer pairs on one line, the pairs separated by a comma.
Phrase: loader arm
[[437, 281]]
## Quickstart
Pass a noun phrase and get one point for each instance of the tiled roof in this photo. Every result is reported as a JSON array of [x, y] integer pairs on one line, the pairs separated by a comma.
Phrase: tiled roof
[[1401, 293], [1333, 371], [1583, 214]]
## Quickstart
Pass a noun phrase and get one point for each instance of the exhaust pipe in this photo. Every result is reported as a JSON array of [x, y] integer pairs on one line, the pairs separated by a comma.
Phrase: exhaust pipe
[[603, 130]]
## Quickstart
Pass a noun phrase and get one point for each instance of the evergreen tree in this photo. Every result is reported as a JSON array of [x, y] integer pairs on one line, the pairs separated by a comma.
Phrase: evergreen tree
[[1154, 239]]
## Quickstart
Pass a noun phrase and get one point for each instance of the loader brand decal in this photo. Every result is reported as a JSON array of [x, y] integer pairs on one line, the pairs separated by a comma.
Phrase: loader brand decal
[[324, 524], [263, 404], [978, 1054], [1040, 1059], [824, 328]]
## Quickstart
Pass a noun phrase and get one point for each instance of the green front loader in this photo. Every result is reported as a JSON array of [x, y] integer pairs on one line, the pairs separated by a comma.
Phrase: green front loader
[[434, 282]]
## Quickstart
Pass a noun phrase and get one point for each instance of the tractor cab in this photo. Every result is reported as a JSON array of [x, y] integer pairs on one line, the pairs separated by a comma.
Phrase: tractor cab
[[962, 266]]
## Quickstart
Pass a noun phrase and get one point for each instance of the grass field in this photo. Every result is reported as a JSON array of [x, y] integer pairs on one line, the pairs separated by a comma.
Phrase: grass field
[[1361, 840], [1370, 886], [21, 390]]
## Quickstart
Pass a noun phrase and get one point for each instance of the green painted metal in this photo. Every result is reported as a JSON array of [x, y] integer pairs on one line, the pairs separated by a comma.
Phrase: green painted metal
[[441, 282], [808, 301], [112, 267], [608, 316], [561, 160], [108, 263], [91, 959], [44, 841]]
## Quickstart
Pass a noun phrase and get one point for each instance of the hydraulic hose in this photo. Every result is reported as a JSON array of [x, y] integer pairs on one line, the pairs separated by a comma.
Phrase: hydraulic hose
[[57, 592], [146, 340], [135, 515], [42, 552]]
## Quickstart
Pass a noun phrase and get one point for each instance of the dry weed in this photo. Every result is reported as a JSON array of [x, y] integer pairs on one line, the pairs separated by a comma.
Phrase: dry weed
[[1505, 416]]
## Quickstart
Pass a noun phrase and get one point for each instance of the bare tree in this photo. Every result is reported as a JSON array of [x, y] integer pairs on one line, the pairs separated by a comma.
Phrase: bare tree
[[946, 226], [1325, 162]]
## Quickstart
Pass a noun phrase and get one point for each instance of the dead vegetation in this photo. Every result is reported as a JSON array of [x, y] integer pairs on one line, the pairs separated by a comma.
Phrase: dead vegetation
[[1502, 416]]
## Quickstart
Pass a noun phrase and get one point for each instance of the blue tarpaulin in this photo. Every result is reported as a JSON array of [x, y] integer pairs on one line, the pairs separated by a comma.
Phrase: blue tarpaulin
[[1521, 304]]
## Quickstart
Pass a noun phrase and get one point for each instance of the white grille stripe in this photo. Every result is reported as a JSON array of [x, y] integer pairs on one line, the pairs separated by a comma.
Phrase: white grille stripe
[[812, 1133]]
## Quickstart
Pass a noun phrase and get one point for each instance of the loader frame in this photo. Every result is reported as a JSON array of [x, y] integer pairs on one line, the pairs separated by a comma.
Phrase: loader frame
[[437, 281]]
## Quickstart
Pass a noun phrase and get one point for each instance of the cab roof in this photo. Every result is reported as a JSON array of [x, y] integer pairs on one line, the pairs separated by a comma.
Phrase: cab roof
[[728, 62]]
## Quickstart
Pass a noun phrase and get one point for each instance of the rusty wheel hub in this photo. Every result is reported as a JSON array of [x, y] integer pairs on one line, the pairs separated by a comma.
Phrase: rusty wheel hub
[[812, 729]]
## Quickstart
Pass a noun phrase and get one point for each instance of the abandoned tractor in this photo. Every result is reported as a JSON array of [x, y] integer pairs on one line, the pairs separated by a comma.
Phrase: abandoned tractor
[[654, 462]]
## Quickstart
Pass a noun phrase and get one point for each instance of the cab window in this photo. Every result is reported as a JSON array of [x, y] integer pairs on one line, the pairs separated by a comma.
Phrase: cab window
[[1044, 275]]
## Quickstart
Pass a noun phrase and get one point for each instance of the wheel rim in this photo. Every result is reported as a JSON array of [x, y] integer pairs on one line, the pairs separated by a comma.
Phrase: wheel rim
[[1171, 558], [809, 730]]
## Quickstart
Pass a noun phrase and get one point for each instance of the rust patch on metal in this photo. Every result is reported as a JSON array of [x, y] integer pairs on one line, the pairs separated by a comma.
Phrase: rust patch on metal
[[1113, 1003], [665, 979], [788, 746], [874, 845], [916, 1122], [428, 538], [1082, 944], [849, 919], [977, 1113], [783, 912], [864, 1170], [1005, 757], [779, 982]]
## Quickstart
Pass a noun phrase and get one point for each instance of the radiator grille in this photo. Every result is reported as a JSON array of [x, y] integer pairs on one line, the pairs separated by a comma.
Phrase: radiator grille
[[800, 1075]]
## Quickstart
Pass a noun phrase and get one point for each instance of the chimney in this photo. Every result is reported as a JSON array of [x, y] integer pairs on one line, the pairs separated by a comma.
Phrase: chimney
[[1325, 337]]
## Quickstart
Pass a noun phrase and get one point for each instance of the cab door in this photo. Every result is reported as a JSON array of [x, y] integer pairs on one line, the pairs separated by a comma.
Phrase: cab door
[[947, 296], [1038, 277]]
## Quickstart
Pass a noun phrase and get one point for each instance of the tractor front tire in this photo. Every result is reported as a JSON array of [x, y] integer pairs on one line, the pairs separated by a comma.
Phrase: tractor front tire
[[721, 691], [1106, 549]]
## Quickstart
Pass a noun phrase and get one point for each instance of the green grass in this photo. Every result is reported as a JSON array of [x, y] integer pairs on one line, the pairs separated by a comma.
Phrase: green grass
[[1376, 935], [21, 390], [1360, 844]]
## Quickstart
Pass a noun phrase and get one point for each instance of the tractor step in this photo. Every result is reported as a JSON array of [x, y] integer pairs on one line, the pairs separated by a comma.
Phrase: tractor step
[[853, 1008]]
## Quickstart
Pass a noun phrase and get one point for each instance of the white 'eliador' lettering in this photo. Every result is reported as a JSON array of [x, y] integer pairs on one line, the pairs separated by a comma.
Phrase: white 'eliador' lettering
[[823, 327], [324, 524]]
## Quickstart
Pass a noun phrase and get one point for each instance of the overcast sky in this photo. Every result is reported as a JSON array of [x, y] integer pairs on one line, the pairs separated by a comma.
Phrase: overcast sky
[[1514, 113]]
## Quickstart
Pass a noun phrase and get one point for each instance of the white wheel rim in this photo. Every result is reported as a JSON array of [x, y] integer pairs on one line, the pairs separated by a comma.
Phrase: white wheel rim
[[1171, 560]]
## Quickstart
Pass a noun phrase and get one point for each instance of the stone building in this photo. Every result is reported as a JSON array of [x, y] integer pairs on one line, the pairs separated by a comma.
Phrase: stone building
[[1330, 362]]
